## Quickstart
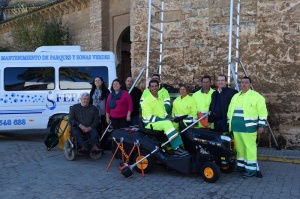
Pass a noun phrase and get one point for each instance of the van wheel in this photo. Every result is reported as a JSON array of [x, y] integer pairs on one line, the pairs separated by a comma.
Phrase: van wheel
[[69, 152], [210, 172], [146, 164]]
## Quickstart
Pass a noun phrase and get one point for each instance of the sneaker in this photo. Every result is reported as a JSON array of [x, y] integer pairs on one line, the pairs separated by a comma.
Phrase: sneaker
[[248, 175], [180, 152]]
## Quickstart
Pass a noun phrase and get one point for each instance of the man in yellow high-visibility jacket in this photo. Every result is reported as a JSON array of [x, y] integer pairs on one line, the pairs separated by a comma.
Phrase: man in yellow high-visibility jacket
[[247, 115], [162, 93], [155, 115], [203, 97]]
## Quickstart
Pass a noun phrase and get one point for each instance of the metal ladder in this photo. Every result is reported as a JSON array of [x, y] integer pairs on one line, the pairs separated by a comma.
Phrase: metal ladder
[[155, 37], [234, 61], [234, 40]]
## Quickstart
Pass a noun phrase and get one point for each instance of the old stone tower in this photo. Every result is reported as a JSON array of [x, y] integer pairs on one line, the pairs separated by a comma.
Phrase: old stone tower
[[195, 44]]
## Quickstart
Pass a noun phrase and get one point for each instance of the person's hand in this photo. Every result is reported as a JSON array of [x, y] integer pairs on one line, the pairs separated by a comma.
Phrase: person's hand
[[260, 130], [83, 128], [107, 120], [128, 119], [88, 129]]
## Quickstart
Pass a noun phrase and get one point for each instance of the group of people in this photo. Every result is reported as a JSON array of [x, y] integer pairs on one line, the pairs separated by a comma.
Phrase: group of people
[[101, 107], [244, 113]]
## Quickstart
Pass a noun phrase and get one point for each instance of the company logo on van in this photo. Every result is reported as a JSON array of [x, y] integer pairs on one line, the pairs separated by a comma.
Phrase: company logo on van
[[66, 97], [52, 102]]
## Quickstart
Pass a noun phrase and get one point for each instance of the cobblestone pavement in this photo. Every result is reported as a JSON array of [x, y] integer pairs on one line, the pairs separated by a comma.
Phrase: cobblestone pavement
[[28, 170]]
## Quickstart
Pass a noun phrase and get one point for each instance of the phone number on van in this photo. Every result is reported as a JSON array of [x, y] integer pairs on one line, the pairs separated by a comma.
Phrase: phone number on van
[[14, 122]]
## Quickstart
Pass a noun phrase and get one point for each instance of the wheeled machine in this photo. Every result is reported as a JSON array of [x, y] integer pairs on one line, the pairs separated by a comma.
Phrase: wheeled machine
[[209, 152]]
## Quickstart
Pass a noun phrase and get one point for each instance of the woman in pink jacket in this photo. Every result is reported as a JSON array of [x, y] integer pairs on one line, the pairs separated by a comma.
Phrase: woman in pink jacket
[[118, 106]]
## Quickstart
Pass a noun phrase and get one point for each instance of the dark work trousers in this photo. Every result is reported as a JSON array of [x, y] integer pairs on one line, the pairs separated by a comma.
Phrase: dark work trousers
[[79, 135], [134, 120], [221, 125], [118, 123]]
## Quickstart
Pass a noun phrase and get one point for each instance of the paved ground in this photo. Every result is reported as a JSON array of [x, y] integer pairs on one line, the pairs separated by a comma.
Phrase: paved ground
[[28, 170]]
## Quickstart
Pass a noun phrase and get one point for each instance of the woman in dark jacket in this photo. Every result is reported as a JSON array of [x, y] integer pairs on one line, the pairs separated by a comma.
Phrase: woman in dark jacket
[[98, 96]]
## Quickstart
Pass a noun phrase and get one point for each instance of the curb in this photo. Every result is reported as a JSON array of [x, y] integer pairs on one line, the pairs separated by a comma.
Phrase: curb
[[295, 160]]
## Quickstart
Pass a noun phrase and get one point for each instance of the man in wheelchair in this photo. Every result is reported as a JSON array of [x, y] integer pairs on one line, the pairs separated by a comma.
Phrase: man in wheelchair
[[84, 119]]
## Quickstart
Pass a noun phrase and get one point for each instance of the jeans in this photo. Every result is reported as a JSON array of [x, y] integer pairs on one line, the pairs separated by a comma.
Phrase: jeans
[[79, 135]]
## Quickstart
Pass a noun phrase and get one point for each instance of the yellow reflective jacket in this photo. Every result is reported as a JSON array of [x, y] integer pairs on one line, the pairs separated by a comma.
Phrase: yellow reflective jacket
[[185, 106], [254, 110], [203, 100], [153, 109], [162, 93]]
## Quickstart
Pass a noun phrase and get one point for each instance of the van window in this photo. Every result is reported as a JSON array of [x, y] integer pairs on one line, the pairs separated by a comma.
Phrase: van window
[[28, 78], [80, 77]]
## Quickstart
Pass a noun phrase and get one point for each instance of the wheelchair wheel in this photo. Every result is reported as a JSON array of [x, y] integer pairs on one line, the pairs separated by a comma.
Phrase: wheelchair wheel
[[69, 152], [95, 156]]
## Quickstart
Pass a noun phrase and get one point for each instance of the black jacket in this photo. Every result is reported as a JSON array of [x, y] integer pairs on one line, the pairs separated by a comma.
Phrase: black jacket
[[226, 95], [136, 95]]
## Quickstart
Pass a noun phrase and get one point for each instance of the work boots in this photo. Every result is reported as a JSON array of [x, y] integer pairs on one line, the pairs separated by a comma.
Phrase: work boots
[[180, 152]]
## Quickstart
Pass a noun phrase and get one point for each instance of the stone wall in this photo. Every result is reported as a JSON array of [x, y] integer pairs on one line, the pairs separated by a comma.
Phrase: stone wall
[[119, 15], [84, 19], [196, 43]]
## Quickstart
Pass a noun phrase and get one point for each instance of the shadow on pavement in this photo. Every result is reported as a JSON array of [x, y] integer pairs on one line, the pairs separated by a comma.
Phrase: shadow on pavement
[[36, 134]]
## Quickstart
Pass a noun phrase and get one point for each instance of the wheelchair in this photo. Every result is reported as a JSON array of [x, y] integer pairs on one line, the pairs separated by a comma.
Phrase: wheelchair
[[71, 148], [70, 145]]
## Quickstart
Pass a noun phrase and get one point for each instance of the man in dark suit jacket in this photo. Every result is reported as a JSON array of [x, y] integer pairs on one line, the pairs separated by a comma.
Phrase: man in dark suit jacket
[[84, 119], [220, 103]]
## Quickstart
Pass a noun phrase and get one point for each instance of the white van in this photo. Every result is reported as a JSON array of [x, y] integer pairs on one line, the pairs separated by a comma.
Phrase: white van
[[36, 87]]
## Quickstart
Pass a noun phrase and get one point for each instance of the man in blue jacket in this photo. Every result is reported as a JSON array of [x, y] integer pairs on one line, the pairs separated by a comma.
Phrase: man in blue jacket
[[220, 103]]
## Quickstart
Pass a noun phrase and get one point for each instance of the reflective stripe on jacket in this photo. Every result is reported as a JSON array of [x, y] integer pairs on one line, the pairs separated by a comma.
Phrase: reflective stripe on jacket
[[203, 100], [254, 108], [185, 106], [153, 109], [162, 93]]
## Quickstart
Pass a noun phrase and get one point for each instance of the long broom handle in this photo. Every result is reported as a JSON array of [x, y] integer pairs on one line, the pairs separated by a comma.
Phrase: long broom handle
[[105, 131]]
